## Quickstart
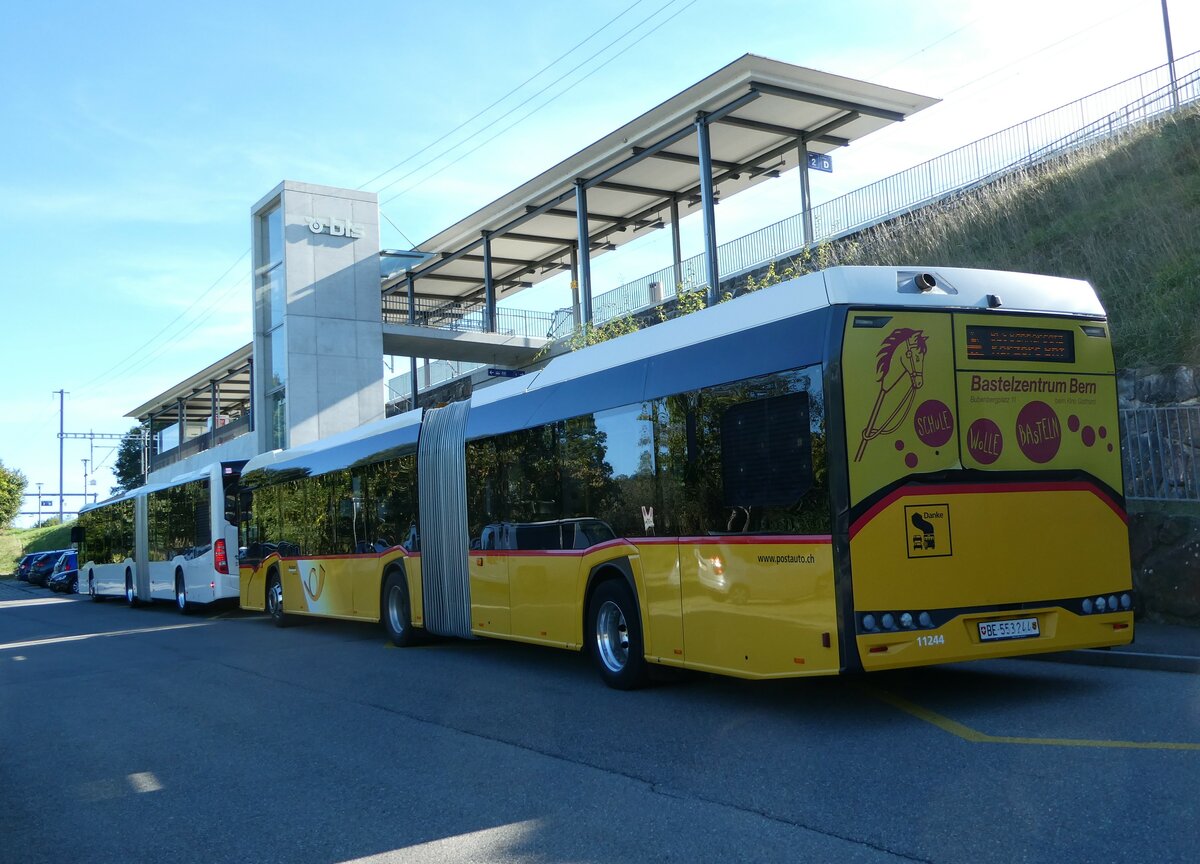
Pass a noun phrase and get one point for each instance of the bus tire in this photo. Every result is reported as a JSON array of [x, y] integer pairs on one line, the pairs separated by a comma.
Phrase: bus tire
[[181, 601], [96, 598], [395, 610], [274, 600], [614, 636], [131, 597]]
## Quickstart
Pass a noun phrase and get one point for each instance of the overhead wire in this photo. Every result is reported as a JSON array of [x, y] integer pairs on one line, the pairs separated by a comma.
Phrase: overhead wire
[[1035, 53], [214, 301], [562, 92], [163, 332], [522, 104], [483, 111]]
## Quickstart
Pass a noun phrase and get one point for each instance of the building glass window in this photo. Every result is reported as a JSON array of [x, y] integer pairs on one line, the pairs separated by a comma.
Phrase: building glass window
[[277, 412], [276, 344], [269, 272], [271, 301]]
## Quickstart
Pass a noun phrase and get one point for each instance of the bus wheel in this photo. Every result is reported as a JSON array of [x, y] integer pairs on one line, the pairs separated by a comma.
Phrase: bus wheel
[[397, 618], [616, 636], [130, 594], [275, 600], [181, 600], [92, 588]]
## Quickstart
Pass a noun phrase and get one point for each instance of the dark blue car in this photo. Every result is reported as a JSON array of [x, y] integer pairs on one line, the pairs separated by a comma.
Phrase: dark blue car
[[65, 576], [25, 563], [43, 567]]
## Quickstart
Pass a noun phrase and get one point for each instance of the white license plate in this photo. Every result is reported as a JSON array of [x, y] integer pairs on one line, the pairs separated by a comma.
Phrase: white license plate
[[1014, 628]]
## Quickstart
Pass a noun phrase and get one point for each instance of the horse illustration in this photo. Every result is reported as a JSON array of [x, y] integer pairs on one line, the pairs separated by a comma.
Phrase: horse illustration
[[898, 382]]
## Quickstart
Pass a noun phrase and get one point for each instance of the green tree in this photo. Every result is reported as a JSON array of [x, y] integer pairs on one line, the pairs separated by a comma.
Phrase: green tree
[[12, 490], [128, 469]]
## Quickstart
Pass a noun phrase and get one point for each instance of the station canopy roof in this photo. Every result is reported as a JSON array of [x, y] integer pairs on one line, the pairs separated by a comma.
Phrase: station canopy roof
[[232, 376], [763, 113]]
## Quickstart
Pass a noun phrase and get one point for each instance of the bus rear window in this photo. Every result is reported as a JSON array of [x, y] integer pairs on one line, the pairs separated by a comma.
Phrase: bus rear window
[[1020, 343], [766, 453]]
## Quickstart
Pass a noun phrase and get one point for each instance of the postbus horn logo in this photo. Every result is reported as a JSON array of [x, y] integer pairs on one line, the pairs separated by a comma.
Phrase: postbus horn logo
[[898, 382]]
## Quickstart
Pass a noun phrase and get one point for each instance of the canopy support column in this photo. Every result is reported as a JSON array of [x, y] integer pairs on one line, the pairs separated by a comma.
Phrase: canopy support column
[[489, 286], [676, 248], [412, 319], [805, 192], [575, 316], [585, 252], [708, 209]]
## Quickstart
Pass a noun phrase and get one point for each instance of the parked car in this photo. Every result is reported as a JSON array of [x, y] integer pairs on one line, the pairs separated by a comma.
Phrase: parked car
[[25, 563], [65, 576], [41, 569]]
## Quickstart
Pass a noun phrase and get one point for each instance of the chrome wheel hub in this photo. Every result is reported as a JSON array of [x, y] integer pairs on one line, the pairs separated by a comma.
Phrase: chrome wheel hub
[[395, 609], [612, 636]]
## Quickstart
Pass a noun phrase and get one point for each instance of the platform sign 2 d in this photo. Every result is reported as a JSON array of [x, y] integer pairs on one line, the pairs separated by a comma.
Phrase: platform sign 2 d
[[820, 162], [493, 372]]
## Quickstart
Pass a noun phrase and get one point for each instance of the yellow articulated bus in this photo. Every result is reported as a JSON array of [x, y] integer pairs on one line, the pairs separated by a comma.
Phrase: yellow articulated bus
[[860, 469]]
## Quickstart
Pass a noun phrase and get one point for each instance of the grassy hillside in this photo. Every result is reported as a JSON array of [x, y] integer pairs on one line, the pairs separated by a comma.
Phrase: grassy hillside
[[14, 544], [1125, 215]]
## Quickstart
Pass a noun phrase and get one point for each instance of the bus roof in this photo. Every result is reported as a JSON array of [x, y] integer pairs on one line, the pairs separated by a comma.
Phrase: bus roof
[[198, 474], [346, 448], [962, 288]]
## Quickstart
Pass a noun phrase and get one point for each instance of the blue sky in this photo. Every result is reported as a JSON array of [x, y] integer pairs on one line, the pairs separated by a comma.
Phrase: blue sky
[[138, 135]]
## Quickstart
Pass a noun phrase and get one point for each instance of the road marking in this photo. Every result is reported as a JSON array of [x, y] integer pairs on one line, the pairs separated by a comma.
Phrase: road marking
[[487, 844], [144, 781], [35, 601], [9, 646], [975, 737]]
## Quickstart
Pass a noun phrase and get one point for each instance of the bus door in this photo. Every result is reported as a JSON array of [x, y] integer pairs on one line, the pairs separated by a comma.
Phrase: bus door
[[141, 556], [489, 582], [982, 470]]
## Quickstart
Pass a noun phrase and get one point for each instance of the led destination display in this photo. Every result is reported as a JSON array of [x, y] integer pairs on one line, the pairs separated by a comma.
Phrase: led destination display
[[1020, 343]]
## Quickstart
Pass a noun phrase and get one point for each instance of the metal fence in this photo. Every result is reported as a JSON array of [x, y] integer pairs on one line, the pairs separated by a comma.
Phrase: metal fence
[[204, 441], [1100, 114], [467, 316], [1159, 447], [434, 372]]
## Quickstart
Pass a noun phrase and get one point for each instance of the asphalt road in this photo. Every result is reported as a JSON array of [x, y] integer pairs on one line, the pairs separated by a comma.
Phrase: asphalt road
[[125, 736]]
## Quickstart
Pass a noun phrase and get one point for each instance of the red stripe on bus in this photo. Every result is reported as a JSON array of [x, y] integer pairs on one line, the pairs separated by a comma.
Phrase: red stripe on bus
[[981, 489], [403, 554], [738, 540]]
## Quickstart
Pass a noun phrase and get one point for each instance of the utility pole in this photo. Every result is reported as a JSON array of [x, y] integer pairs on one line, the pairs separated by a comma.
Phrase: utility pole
[[61, 397], [1170, 58], [39, 485]]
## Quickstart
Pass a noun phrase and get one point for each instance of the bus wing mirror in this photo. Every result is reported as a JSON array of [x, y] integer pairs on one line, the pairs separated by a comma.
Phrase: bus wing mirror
[[76, 534]]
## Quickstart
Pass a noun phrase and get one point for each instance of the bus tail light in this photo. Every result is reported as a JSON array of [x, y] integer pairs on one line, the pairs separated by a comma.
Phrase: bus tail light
[[220, 559]]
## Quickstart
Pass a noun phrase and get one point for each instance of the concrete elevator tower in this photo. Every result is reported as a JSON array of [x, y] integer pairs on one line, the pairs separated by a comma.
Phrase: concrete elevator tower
[[318, 332]]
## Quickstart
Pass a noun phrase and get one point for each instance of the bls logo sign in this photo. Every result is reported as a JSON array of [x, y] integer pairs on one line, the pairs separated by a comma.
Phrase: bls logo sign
[[335, 227]]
